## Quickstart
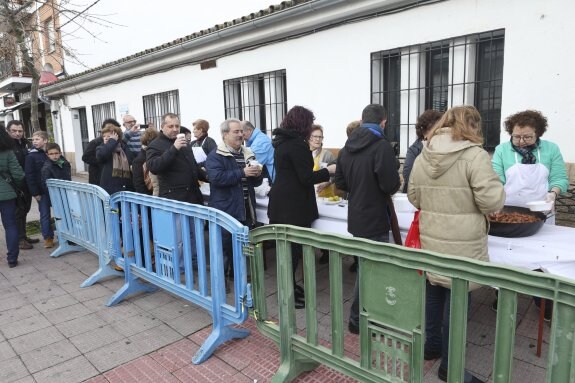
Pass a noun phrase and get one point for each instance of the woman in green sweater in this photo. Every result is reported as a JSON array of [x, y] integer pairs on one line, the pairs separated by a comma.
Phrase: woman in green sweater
[[10, 169], [530, 168]]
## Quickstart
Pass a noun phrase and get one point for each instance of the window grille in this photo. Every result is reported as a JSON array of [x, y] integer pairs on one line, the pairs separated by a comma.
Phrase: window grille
[[158, 104], [101, 112], [260, 99], [438, 75]]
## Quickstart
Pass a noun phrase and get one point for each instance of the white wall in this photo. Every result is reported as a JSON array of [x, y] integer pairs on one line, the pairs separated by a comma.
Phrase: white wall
[[329, 71]]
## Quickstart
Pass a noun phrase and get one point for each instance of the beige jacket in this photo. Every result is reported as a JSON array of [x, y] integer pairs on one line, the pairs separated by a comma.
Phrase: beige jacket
[[454, 185]]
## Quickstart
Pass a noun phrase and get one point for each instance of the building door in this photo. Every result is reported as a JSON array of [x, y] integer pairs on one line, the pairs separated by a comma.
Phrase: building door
[[80, 123]]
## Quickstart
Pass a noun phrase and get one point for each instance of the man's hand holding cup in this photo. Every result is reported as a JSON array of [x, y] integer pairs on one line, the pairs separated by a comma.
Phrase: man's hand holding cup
[[180, 141], [254, 169]]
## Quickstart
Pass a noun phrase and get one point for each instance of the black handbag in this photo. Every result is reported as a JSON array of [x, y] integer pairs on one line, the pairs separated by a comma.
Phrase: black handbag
[[20, 195]]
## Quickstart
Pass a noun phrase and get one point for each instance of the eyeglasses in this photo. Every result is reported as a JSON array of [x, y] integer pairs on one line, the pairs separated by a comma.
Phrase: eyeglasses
[[131, 122], [518, 138], [317, 137]]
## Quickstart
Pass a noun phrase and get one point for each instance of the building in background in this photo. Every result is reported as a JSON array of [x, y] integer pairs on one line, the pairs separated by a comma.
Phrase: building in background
[[336, 56], [43, 40]]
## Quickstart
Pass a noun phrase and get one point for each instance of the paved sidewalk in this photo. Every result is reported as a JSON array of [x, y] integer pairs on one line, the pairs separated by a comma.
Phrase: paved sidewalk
[[51, 330]]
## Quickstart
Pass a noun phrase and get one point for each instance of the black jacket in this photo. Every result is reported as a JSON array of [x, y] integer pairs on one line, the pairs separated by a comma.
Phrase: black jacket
[[33, 169], [292, 197], [367, 169], [21, 149], [89, 157], [412, 153], [177, 170], [50, 170], [138, 173], [105, 157]]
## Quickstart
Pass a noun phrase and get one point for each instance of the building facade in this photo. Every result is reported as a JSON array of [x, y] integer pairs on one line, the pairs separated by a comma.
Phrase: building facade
[[43, 38], [334, 57]]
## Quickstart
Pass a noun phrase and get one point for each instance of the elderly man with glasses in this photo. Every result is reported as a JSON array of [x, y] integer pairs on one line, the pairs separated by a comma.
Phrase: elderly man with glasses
[[132, 133]]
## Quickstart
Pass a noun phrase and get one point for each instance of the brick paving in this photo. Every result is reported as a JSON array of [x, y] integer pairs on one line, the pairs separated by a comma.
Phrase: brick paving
[[51, 330]]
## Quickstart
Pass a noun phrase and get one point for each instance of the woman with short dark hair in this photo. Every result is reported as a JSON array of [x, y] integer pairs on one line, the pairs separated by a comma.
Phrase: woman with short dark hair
[[292, 197]]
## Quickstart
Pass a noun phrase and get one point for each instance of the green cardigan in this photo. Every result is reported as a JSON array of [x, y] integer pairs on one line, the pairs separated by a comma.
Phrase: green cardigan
[[551, 158], [9, 166]]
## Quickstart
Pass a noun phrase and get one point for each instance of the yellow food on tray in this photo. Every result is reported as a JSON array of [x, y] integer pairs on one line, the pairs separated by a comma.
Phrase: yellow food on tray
[[333, 199]]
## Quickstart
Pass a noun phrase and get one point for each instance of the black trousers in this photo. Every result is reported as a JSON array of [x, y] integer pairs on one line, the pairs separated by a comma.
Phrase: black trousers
[[21, 214]]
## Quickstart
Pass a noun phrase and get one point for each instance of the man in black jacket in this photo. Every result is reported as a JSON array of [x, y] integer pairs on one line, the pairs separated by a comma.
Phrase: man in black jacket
[[172, 160], [89, 156], [366, 169], [15, 129]]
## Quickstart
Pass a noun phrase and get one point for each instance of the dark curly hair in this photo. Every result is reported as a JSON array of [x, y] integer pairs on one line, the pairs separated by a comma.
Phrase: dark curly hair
[[532, 118], [300, 120], [426, 121]]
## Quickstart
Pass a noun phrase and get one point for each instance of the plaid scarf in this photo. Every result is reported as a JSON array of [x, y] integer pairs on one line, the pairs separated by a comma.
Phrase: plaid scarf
[[527, 152], [120, 165]]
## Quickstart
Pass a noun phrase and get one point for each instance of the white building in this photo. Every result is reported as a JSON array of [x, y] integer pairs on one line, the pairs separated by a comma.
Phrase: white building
[[336, 56]]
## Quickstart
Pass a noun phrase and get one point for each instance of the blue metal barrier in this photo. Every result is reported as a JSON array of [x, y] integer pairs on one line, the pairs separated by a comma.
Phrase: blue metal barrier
[[81, 215], [162, 242]]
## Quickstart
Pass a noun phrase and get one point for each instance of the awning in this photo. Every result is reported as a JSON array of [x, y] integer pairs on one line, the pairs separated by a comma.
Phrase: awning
[[12, 108]]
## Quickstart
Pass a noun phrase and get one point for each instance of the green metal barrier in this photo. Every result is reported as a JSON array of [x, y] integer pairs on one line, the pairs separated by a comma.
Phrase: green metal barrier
[[392, 295]]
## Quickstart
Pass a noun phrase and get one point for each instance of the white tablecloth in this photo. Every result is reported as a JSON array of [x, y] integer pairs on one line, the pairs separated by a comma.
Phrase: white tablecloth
[[551, 249]]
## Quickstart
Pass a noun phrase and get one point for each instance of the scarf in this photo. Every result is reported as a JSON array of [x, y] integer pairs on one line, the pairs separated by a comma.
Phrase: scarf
[[59, 162], [120, 165], [375, 128], [527, 153]]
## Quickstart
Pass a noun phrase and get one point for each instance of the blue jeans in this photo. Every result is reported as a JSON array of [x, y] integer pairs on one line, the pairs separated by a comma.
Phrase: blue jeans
[[45, 225], [8, 212], [354, 311], [437, 314]]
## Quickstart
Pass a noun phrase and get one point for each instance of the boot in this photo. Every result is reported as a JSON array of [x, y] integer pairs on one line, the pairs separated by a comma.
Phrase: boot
[[32, 240], [24, 245], [49, 243]]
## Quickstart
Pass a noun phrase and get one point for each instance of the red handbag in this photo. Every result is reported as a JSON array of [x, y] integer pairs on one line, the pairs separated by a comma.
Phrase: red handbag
[[412, 240]]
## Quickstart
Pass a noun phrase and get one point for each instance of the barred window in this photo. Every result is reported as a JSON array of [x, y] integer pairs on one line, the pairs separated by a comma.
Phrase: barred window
[[261, 99], [439, 75], [158, 104], [101, 112]]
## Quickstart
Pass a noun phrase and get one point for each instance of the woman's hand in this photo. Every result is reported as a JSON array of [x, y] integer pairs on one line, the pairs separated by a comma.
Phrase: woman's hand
[[551, 196], [331, 169]]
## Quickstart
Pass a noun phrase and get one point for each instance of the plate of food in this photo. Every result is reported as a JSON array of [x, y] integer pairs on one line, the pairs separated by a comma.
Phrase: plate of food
[[331, 200]]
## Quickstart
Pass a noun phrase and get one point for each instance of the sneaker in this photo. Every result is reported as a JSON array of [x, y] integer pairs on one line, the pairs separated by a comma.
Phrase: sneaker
[[12, 264], [49, 243], [494, 305], [24, 245], [353, 328], [548, 312], [32, 240]]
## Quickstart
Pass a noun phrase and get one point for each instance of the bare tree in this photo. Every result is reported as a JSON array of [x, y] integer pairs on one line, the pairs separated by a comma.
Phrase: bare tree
[[20, 34]]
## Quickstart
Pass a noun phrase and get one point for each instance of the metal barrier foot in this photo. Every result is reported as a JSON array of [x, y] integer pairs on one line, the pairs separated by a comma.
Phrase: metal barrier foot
[[101, 273], [129, 288], [65, 247], [216, 338], [291, 369]]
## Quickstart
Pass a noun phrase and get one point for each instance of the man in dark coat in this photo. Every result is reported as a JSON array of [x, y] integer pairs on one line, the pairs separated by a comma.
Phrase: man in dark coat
[[89, 156], [366, 169], [22, 146], [232, 182], [172, 160]]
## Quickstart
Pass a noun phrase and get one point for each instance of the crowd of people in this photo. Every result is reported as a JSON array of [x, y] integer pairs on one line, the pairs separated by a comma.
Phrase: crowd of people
[[447, 175], [24, 169]]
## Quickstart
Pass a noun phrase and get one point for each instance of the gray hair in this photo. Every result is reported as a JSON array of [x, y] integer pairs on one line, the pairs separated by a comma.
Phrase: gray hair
[[248, 125], [225, 126]]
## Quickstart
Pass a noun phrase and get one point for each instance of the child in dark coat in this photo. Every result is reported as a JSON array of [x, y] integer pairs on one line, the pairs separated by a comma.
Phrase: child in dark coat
[[56, 166], [33, 169]]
